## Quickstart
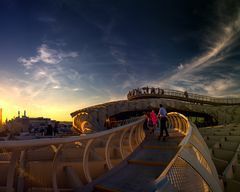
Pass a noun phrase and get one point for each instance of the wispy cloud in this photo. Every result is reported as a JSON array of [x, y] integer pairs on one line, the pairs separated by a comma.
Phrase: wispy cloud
[[213, 56], [126, 81], [46, 55], [192, 74], [180, 67], [118, 55], [113, 96], [220, 86], [76, 89], [48, 77]]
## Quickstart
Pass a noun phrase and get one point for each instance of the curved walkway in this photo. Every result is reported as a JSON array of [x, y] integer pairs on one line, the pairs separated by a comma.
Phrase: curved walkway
[[182, 163], [142, 168], [151, 92], [89, 162]]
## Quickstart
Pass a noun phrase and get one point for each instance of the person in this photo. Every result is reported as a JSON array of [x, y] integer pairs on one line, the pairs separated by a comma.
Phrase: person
[[49, 129], [150, 124], [163, 119], [145, 124], [55, 128], [107, 123], [153, 116]]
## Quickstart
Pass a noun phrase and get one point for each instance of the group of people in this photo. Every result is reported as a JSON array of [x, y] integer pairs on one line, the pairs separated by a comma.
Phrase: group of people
[[153, 120], [145, 90]]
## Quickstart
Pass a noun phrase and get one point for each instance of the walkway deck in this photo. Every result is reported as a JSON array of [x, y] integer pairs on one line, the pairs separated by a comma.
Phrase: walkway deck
[[151, 92], [143, 167]]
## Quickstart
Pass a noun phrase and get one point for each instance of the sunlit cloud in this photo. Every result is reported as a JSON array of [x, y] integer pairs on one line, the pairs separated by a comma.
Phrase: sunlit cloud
[[38, 97], [220, 86], [46, 55], [113, 96], [180, 66], [77, 89], [56, 87], [47, 77], [130, 82], [191, 75]]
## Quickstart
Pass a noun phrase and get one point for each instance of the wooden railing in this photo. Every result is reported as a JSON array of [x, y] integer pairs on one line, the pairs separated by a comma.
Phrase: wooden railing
[[124, 138], [192, 167], [147, 92], [119, 123]]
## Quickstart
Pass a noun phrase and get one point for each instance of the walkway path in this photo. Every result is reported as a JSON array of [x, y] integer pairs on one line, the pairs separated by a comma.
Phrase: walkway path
[[152, 92], [143, 167]]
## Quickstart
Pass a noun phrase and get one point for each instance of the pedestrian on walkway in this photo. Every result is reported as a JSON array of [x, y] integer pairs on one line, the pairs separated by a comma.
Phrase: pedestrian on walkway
[[162, 114], [153, 116], [150, 126]]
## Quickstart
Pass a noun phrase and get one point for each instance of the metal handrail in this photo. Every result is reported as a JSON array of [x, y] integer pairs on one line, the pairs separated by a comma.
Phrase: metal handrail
[[133, 132], [146, 92], [55, 141], [194, 155], [123, 122]]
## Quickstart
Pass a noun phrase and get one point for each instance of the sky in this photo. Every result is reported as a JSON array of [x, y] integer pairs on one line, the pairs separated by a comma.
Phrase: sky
[[60, 56]]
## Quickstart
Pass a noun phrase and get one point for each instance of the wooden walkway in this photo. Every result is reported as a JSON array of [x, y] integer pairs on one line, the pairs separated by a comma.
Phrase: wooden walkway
[[142, 93], [143, 167]]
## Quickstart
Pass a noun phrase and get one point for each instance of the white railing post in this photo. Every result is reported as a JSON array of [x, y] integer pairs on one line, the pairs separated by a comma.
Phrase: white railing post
[[57, 145], [130, 138], [107, 154], [57, 155], [121, 143], [12, 169], [85, 160], [193, 153]]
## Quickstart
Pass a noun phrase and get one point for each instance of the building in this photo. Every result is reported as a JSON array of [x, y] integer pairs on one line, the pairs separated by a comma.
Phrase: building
[[24, 124], [28, 124]]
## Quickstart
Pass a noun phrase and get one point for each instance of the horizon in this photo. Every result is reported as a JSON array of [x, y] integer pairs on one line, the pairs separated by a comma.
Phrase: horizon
[[59, 57]]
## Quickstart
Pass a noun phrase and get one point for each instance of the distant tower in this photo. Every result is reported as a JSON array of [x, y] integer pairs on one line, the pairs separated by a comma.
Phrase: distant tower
[[24, 113], [18, 114], [0, 117]]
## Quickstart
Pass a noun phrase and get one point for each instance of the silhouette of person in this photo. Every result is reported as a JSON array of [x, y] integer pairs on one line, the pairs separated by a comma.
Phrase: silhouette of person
[[162, 114], [55, 129], [107, 123]]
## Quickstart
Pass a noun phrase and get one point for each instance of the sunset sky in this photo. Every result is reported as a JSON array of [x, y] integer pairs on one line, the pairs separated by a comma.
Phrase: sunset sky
[[58, 56]]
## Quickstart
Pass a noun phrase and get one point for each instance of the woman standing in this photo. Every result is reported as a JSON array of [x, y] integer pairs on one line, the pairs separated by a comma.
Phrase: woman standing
[[154, 118]]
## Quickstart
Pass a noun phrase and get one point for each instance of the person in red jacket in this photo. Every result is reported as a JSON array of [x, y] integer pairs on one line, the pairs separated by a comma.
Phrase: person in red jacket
[[154, 119]]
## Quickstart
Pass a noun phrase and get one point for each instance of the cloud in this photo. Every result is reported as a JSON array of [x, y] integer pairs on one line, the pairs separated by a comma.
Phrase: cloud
[[130, 81], [47, 77], [118, 55], [195, 74], [180, 67], [220, 86], [46, 55], [77, 89], [113, 96], [28, 62], [56, 87]]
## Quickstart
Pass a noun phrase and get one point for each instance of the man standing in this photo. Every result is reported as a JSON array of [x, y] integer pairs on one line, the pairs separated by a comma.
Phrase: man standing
[[163, 119]]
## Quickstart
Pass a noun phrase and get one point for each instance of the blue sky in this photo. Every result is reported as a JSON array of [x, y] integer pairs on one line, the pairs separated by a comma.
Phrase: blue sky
[[59, 56]]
